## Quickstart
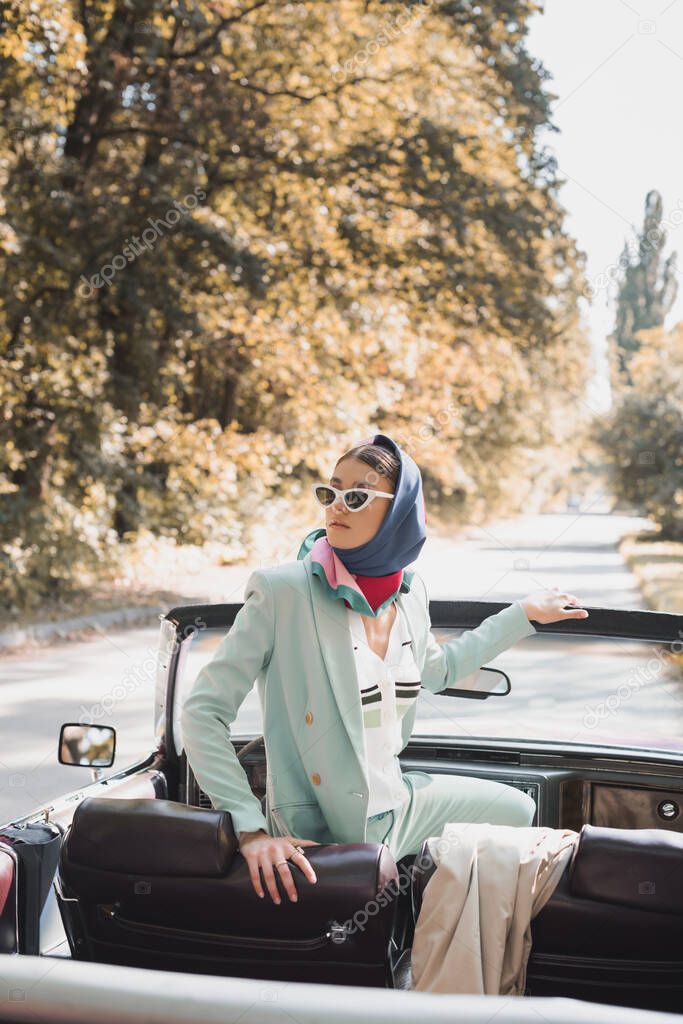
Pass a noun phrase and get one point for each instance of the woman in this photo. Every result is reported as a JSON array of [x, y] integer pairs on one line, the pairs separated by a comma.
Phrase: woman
[[332, 735]]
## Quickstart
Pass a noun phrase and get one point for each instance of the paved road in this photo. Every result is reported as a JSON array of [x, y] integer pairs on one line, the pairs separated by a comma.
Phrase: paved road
[[585, 690]]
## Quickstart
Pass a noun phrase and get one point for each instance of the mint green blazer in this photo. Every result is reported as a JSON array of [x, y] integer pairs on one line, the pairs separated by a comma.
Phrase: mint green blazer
[[291, 637]]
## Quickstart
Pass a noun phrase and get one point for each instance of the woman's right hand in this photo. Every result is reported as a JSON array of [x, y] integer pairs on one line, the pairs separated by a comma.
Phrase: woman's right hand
[[263, 851], [549, 605]]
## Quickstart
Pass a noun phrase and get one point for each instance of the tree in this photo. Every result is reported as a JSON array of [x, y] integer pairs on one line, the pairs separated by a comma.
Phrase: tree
[[648, 287], [235, 235], [643, 435]]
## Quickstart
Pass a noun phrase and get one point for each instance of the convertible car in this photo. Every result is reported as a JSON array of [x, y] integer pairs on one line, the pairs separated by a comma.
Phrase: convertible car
[[136, 875]]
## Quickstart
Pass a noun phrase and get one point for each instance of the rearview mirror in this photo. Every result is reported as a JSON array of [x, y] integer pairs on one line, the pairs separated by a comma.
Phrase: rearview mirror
[[485, 682], [90, 746]]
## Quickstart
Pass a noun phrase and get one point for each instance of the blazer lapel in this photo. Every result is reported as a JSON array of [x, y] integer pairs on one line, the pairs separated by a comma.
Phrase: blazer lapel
[[337, 651], [407, 603]]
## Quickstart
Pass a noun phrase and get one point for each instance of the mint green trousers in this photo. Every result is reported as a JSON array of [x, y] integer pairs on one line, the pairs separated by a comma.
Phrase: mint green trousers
[[437, 799]]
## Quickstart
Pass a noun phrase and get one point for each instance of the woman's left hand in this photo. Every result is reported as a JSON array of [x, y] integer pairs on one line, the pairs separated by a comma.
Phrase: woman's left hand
[[548, 606]]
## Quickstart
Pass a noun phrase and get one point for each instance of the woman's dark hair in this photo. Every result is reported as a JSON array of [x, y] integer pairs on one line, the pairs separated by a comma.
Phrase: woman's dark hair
[[378, 458]]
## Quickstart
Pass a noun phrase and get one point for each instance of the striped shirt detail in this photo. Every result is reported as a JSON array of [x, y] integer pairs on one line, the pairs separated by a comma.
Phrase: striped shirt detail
[[388, 689]]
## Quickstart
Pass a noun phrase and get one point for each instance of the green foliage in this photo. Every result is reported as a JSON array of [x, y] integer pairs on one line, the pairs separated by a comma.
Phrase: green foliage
[[234, 238], [647, 290], [643, 436]]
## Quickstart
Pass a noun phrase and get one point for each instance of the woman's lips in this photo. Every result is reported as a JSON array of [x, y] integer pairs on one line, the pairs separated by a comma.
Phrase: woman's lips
[[342, 526]]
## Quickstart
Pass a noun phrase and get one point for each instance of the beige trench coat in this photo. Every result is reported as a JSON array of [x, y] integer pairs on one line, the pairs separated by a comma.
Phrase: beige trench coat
[[473, 932]]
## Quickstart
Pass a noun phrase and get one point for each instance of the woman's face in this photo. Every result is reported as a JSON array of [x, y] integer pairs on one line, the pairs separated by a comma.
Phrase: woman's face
[[357, 527]]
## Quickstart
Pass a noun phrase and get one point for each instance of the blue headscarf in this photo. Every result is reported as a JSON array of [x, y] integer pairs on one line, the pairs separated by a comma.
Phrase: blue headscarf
[[402, 532]]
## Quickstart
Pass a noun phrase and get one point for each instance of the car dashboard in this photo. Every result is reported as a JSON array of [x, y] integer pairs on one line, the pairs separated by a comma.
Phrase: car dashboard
[[580, 788]]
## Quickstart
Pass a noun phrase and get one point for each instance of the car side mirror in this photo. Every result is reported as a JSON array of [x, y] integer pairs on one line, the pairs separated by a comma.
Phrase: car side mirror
[[87, 746], [485, 682]]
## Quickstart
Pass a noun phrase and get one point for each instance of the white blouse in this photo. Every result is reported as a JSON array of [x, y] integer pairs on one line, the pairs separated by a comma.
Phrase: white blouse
[[388, 688]]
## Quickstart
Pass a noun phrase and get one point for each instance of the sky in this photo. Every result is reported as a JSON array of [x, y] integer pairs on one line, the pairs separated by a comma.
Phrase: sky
[[617, 73]]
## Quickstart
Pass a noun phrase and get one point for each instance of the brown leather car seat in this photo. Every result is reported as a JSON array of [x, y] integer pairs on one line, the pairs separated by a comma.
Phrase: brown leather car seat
[[158, 883]]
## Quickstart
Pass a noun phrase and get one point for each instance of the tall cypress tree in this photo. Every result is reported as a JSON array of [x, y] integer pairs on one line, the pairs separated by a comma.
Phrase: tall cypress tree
[[648, 287]]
